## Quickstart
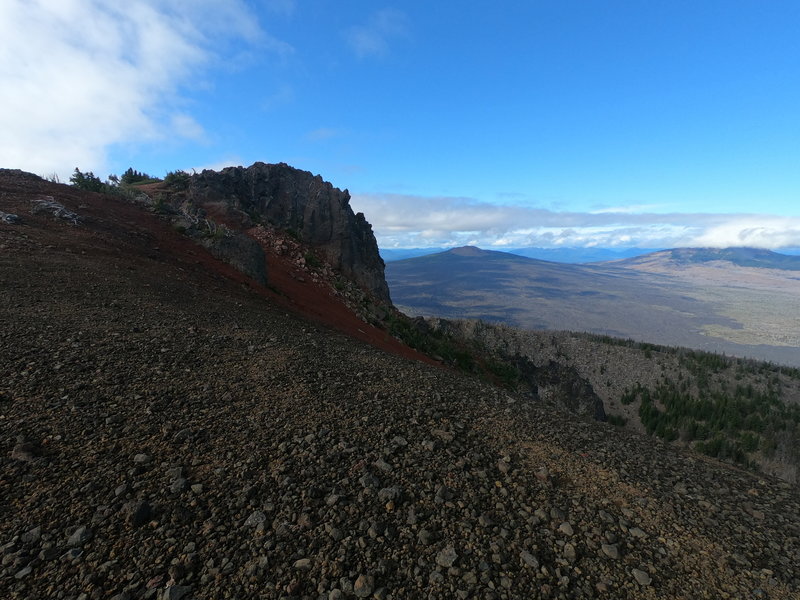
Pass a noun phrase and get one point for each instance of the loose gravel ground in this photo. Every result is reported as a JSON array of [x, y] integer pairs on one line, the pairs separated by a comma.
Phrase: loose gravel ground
[[167, 433]]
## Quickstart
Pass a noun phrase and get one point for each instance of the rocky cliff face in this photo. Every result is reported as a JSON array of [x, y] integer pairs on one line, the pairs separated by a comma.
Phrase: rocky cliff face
[[561, 385], [556, 384], [299, 201]]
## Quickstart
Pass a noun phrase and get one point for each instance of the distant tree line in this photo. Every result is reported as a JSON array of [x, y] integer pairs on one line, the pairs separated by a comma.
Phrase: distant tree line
[[177, 180], [698, 360]]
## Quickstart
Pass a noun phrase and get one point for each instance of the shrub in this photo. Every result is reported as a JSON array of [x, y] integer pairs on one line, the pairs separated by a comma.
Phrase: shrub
[[178, 180], [86, 181], [131, 176], [312, 261]]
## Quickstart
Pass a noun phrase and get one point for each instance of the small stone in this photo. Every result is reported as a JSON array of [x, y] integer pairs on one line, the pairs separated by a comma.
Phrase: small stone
[[443, 494], [425, 536], [389, 493], [79, 537], [293, 587], [182, 435], [22, 573], [140, 514], [399, 441], [380, 594], [49, 554], [304, 521], [641, 577], [445, 436], [363, 586], [605, 516], [24, 451], [304, 564], [34, 535], [610, 550], [529, 559], [383, 465], [470, 578], [569, 552], [197, 488], [368, 480], [141, 459], [176, 473], [503, 466], [637, 533], [446, 558], [566, 529], [435, 577], [175, 592], [256, 518], [177, 486]]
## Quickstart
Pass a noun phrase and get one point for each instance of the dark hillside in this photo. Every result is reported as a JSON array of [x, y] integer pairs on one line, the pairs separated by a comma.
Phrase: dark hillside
[[743, 411], [171, 430]]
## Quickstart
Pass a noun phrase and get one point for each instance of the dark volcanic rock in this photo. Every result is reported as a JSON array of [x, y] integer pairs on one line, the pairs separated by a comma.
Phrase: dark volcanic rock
[[239, 251], [298, 201], [563, 386]]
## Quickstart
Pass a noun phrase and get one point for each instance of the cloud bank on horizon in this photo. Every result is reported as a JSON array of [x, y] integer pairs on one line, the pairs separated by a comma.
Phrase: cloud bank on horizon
[[644, 126], [405, 221]]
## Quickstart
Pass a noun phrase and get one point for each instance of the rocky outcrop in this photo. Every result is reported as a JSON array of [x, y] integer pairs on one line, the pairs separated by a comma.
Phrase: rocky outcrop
[[240, 251], [300, 202], [556, 383], [562, 386]]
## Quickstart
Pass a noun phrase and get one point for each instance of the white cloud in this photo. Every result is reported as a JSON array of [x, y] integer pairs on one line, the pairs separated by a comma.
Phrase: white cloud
[[754, 231], [82, 75], [407, 221], [186, 127], [372, 39]]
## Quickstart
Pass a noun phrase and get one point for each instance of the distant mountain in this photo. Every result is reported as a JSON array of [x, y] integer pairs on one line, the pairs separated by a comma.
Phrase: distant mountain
[[564, 255], [707, 306], [581, 255], [391, 254], [742, 257]]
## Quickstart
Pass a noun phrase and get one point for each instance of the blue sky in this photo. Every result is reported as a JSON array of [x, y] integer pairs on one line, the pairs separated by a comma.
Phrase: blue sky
[[559, 123]]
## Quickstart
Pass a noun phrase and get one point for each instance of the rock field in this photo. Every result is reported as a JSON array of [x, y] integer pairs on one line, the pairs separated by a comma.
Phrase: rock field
[[170, 433]]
